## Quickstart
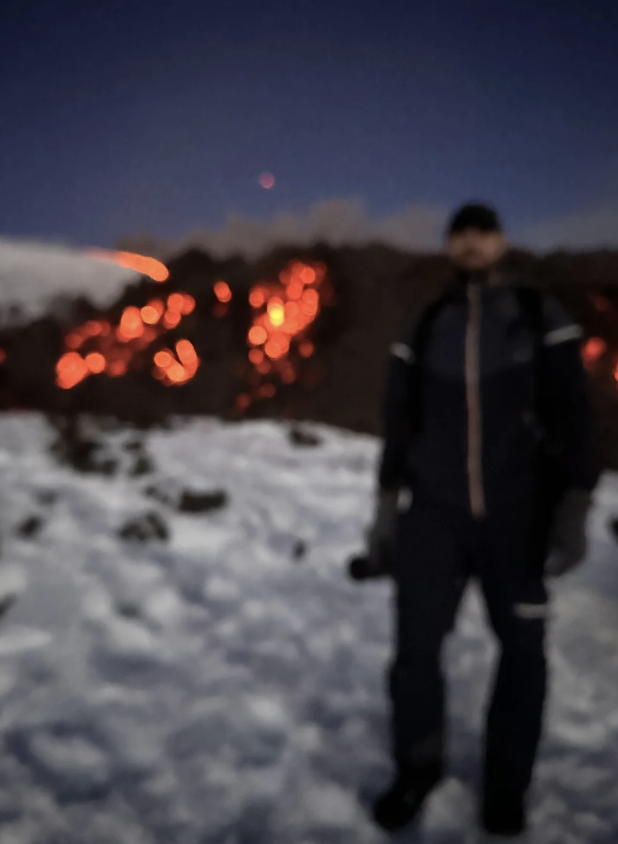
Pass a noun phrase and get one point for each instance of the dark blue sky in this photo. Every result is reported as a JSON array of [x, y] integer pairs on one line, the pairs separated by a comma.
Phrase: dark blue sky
[[130, 115]]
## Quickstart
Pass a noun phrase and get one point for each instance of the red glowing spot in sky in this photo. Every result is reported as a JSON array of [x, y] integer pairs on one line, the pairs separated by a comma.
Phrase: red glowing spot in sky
[[267, 181], [2, 355]]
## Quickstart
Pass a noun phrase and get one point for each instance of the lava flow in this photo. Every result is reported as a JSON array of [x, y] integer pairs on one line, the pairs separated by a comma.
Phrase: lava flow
[[99, 347], [139, 263], [283, 314]]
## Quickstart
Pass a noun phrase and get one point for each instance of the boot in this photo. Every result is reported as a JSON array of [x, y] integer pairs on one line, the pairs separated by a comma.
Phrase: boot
[[403, 801], [503, 812]]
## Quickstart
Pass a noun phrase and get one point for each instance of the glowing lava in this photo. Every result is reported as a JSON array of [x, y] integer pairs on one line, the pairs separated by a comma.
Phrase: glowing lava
[[140, 263], [98, 347], [283, 314]]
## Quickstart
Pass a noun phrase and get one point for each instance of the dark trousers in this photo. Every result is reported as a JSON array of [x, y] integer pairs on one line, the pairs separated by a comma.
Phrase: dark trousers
[[438, 549]]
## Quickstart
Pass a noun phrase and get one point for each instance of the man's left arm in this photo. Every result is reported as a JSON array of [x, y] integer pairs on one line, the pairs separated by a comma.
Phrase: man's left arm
[[568, 417]]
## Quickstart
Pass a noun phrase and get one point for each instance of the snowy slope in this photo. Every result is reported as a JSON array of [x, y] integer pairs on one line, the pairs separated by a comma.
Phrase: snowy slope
[[32, 274], [215, 689]]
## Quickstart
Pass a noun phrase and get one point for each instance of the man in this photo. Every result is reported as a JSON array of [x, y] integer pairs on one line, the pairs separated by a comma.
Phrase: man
[[488, 428]]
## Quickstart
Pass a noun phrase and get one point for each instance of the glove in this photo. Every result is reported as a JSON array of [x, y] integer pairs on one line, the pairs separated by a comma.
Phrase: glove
[[381, 534], [568, 534]]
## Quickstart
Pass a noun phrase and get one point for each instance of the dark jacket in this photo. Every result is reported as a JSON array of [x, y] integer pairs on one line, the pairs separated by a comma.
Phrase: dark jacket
[[478, 400]]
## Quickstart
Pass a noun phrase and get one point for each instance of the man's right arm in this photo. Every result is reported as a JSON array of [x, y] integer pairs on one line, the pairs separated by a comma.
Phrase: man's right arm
[[397, 419]]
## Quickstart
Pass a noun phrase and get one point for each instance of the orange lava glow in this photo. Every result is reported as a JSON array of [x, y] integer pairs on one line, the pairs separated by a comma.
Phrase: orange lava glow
[[95, 362], [283, 314], [593, 349], [171, 318], [140, 263], [243, 401], [172, 370], [70, 370], [223, 291], [2, 355], [152, 312], [96, 346]]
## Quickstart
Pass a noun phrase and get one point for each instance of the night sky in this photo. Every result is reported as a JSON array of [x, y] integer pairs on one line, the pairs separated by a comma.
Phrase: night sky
[[141, 115]]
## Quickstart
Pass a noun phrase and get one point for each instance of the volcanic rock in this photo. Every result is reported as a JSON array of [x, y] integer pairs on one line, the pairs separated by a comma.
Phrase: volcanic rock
[[304, 438], [144, 465], [202, 502], [145, 527], [29, 528]]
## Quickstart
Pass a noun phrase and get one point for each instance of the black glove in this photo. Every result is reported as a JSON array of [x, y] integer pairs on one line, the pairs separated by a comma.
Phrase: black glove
[[381, 534], [568, 534]]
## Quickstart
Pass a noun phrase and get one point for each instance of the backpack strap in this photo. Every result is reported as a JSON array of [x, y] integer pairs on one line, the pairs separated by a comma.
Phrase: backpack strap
[[530, 302]]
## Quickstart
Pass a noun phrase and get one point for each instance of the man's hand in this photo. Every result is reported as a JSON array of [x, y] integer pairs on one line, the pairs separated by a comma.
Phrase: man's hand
[[568, 536]]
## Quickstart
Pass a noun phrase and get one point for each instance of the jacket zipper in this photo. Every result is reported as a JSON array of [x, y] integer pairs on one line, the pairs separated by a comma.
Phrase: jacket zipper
[[473, 402]]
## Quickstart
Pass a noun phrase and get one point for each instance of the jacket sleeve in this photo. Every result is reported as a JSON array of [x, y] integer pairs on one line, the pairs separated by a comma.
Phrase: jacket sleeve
[[566, 406], [396, 413]]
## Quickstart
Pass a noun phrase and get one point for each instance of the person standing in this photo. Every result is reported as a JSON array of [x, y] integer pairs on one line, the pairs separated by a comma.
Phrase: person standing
[[488, 426]]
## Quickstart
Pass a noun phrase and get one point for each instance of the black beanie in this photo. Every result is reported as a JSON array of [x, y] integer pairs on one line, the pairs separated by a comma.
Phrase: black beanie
[[474, 215]]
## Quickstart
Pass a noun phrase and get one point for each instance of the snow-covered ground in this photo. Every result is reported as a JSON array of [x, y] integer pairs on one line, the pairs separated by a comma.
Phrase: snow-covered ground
[[218, 689]]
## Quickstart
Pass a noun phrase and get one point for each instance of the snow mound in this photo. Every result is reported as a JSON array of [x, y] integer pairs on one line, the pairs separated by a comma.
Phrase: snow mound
[[218, 689]]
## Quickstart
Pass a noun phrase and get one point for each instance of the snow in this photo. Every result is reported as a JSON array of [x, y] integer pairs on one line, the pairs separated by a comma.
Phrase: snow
[[215, 688], [32, 275]]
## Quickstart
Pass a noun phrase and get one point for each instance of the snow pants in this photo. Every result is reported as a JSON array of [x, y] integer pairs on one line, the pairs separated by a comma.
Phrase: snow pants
[[438, 549]]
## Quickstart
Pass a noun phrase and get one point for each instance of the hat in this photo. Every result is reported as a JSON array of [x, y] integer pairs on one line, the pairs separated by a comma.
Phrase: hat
[[474, 215]]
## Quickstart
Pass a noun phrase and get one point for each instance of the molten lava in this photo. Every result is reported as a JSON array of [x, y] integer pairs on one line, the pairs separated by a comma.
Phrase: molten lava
[[172, 370], [97, 347], [140, 263], [283, 315]]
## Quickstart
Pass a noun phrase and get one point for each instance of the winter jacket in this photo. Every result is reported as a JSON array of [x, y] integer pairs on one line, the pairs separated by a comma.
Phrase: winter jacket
[[478, 404]]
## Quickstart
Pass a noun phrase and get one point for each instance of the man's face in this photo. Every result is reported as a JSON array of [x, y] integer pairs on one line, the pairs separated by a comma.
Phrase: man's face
[[473, 249]]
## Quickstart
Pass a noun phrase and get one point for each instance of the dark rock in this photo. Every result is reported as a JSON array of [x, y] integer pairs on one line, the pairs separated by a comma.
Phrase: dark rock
[[128, 610], [82, 455], [142, 528], [614, 527], [299, 550], [106, 467], [142, 466], [6, 602], [202, 502], [304, 438], [30, 527], [133, 445], [158, 494]]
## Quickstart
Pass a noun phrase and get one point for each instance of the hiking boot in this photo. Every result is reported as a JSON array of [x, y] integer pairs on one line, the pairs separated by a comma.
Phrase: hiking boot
[[503, 813], [403, 801]]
